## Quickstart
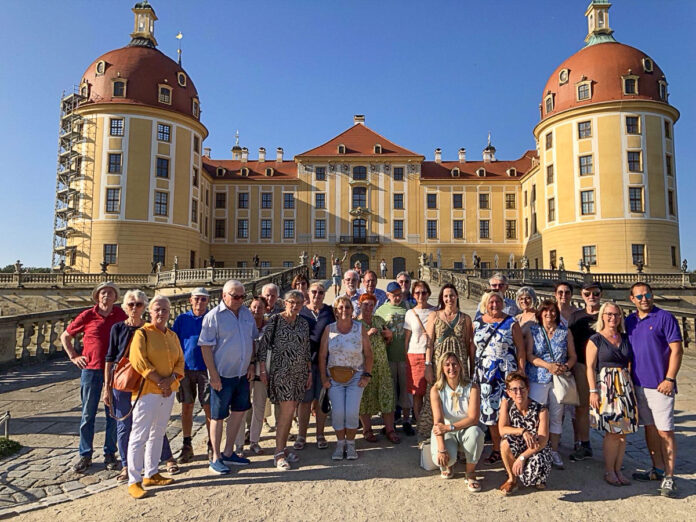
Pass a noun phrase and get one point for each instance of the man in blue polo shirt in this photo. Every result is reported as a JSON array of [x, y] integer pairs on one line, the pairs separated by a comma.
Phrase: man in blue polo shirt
[[657, 351], [195, 382]]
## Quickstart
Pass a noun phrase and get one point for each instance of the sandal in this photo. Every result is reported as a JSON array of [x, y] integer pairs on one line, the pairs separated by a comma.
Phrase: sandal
[[472, 484], [291, 456], [507, 487], [299, 443], [624, 481], [123, 476], [541, 486], [172, 467], [608, 480], [446, 473], [281, 462], [393, 437], [493, 458], [369, 436], [321, 442]]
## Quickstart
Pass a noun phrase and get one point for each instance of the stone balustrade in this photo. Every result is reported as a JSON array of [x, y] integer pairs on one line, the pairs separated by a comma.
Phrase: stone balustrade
[[35, 336], [471, 285]]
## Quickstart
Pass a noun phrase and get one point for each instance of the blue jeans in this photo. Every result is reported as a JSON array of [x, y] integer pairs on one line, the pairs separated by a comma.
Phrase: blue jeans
[[91, 385], [345, 403], [122, 405]]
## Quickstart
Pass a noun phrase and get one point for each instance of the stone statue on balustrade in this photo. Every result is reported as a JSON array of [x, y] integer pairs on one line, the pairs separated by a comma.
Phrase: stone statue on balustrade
[[303, 258], [496, 261], [685, 266], [18, 267], [511, 260], [525, 263], [561, 264], [176, 262]]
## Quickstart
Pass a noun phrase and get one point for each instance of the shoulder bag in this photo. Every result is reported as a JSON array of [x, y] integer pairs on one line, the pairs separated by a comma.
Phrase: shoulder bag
[[128, 380], [269, 348], [564, 387]]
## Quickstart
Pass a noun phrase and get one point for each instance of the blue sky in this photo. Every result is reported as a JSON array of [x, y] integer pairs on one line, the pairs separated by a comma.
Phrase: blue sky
[[293, 73]]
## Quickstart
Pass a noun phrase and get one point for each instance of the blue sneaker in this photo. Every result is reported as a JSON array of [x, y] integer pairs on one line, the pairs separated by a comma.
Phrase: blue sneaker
[[218, 467], [235, 460]]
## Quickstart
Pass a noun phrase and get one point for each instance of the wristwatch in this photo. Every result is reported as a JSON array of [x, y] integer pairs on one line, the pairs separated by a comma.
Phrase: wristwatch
[[428, 363], [669, 379], [521, 457]]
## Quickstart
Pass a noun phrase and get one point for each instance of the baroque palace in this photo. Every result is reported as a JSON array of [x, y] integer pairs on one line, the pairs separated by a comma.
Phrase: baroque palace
[[136, 186]]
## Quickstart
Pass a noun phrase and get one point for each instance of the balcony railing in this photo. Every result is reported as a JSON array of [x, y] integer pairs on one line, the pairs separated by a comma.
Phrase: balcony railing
[[359, 240]]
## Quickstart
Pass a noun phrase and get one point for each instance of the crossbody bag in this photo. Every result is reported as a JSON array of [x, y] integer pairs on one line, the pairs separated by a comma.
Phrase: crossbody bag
[[564, 386]]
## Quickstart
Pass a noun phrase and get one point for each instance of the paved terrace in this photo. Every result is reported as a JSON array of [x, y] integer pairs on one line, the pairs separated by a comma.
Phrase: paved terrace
[[45, 406]]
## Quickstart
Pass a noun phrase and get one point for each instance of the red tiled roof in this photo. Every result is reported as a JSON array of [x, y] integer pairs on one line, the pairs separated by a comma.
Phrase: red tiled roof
[[359, 140], [494, 169], [257, 170]]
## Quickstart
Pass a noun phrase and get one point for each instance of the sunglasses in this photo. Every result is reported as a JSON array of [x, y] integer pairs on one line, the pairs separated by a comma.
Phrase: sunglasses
[[316, 292], [135, 305], [420, 293], [639, 297], [596, 293], [564, 292], [236, 297]]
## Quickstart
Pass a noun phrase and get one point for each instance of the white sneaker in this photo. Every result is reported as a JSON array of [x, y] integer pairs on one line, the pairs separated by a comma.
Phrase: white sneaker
[[338, 452], [556, 460], [351, 454]]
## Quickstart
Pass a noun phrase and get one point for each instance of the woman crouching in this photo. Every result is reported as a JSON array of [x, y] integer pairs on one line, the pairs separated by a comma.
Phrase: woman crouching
[[456, 404]]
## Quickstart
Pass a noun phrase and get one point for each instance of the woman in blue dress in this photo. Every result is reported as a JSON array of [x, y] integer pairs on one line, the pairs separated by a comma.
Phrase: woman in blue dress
[[499, 351]]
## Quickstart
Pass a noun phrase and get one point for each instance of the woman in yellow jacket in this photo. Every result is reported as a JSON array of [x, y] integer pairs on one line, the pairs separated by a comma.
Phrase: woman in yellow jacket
[[155, 353]]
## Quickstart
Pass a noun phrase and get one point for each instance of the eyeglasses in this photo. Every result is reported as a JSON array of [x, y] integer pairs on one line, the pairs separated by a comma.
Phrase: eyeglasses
[[135, 305], [525, 298], [517, 390], [615, 316], [199, 298], [496, 286], [564, 292], [423, 292], [596, 293], [403, 281], [639, 297], [236, 297], [316, 292]]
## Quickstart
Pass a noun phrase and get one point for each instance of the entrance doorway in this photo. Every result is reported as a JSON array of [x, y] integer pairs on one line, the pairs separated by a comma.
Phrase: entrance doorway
[[364, 261], [398, 265]]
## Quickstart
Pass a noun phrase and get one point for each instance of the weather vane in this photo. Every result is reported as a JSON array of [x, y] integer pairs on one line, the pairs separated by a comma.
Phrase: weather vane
[[179, 36]]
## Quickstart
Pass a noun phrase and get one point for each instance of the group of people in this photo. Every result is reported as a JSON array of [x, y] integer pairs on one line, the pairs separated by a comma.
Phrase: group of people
[[511, 370]]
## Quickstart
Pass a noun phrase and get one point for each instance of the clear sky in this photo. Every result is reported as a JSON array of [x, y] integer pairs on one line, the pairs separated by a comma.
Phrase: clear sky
[[291, 74]]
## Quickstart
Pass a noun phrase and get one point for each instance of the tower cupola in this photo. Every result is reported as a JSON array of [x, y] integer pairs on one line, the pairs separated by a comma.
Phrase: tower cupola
[[143, 34], [598, 30]]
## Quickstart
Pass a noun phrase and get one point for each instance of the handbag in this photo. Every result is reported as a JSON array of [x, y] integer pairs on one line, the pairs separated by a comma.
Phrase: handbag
[[426, 458], [342, 374], [269, 350], [128, 380], [564, 387], [324, 402]]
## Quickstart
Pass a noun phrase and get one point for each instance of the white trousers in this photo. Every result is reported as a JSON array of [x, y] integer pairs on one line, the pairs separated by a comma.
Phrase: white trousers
[[543, 394], [254, 416], [150, 418]]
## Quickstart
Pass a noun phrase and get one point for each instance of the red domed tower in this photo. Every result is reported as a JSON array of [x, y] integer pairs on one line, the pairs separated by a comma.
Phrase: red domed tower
[[604, 195], [129, 186]]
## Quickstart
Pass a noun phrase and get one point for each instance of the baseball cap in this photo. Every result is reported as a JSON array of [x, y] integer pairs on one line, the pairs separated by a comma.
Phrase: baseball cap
[[393, 287], [200, 291]]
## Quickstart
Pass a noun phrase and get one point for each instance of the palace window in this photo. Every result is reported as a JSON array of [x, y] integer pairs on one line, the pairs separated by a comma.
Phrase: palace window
[[551, 207], [668, 165], [510, 201], [548, 103], [181, 79], [638, 253], [668, 130], [320, 200], [288, 200], [647, 65], [196, 108], [266, 229], [584, 91], [320, 173], [673, 250], [163, 132], [110, 251], [587, 202], [630, 85], [549, 174], [242, 228], [634, 161], [549, 140], [359, 197], [431, 199], [632, 125], [288, 228], [119, 89], [114, 163], [670, 203], [484, 201], [220, 228], [584, 129], [195, 176], [586, 165], [359, 173], [662, 86], [161, 203], [243, 200], [398, 229], [432, 229], [398, 201], [635, 198], [320, 229], [589, 255], [194, 211], [165, 94], [162, 168], [510, 229], [484, 229], [158, 254], [341, 149], [220, 199], [266, 200], [398, 173], [116, 126], [113, 200], [196, 145], [458, 229], [359, 228], [457, 200]]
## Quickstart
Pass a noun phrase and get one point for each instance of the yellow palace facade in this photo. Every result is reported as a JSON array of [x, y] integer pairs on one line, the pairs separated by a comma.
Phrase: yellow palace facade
[[136, 186]]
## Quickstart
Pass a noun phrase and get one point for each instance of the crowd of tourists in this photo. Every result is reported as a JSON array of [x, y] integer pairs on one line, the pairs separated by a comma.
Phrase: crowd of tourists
[[511, 373]]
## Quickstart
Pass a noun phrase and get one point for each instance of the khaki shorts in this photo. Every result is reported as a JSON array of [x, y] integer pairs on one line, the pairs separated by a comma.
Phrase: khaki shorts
[[655, 408], [580, 372], [195, 383]]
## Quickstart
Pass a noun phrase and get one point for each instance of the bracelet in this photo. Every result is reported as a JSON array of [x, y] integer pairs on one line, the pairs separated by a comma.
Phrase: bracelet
[[263, 372], [367, 374], [428, 363], [669, 379], [442, 451], [594, 390]]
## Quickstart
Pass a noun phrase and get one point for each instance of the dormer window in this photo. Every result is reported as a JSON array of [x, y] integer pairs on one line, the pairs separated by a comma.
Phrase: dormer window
[[220, 171], [548, 103], [584, 90], [647, 65], [100, 67], [269, 171], [244, 172], [563, 76], [481, 173], [341, 149], [196, 108], [181, 79], [378, 149], [630, 84], [455, 172], [512, 171], [662, 85], [119, 89], [84, 90], [165, 94]]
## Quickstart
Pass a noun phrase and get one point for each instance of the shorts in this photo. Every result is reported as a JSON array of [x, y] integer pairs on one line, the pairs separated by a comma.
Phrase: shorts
[[398, 373], [655, 408], [234, 396], [415, 373], [195, 383], [337, 280], [580, 372], [313, 393]]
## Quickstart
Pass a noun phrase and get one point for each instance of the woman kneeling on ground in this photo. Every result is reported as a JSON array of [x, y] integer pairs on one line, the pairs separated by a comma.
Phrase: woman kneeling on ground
[[524, 426], [456, 403]]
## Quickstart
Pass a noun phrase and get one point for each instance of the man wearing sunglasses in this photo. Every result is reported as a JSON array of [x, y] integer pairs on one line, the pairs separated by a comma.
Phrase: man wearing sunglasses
[[187, 327], [226, 342], [581, 324], [657, 351]]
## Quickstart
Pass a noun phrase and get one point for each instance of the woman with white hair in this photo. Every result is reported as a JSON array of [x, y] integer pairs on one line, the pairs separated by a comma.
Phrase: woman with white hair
[[156, 354], [526, 301]]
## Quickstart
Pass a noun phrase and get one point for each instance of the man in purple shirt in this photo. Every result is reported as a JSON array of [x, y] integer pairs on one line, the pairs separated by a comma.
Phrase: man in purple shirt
[[657, 351]]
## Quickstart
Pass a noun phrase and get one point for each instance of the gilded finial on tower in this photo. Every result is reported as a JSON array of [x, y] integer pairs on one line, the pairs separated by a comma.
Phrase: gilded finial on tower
[[179, 36]]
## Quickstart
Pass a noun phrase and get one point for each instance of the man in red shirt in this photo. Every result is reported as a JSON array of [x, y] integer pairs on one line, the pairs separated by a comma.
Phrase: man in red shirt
[[95, 326]]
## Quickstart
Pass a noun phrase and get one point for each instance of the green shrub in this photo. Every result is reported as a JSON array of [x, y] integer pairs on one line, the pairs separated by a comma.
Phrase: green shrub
[[8, 447]]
